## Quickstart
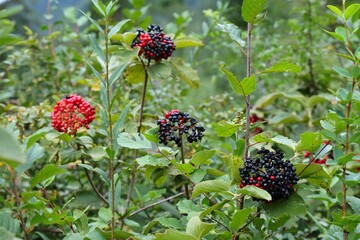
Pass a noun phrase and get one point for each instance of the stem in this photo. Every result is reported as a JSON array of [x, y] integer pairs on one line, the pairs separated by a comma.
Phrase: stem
[[247, 99], [310, 62], [111, 144], [344, 188], [187, 194], [156, 203], [18, 202]]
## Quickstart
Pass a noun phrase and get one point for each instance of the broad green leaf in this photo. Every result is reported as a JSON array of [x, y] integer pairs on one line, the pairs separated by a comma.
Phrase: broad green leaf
[[283, 67], [101, 31], [198, 175], [239, 218], [185, 167], [116, 74], [284, 141], [314, 173], [255, 192], [355, 72], [285, 118], [197, 228], [186, 41], [251, 8], [102, 173], [343, 72], [309, 141], [10, 10], [135, 73], [85, 141], [119, 123], [118, 234], [117, 27], [336, 10], [125, 38], [276, 223], [354, 202], [171, 222], [335, 35], [233, 163], [173, 234], [160, 71], [48, 171], [244, 87], [29, 141], [233, 31], [133, 141], [345, 159], [8, 223], [210, 186], [202, 156], [224, 129], [34, 153], [187, 206], [151, 160], [10, 150], [341, 31], [185, 72], [213, 208], [351, 10], [97, 153], [99, 52], [293, 206], [152, 134]]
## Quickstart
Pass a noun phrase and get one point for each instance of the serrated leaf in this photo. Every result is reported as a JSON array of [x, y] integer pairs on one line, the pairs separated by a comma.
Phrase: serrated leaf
[[117, 73], [283, 67], [251, 8], [133, 141], [224, 129], [210, 186], [151, 160], [309, 141], [160, 71], [10, 150], [292, 206], [185, 72], [135, 73], [48, 171], [97, 48], [117, 27], [243, 87], [186, 41], [351, 10], [239, 218], [314, 173], [255, 192], [197, 228], [200, 157], [233, 31], [335, 10]]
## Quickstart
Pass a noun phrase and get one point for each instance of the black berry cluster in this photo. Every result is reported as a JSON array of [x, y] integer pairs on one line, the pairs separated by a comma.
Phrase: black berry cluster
[[270, 172], [177, 123], [154, 44]]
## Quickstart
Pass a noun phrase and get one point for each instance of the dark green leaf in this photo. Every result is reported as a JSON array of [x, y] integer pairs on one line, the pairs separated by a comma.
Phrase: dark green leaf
[[314, 173], [97, 48], [255, 192], [251, 8], [202, 156], [48, 171], [239, 218], [293, 206], [244, 87], [116, 74], [210, 186], [283, 67]]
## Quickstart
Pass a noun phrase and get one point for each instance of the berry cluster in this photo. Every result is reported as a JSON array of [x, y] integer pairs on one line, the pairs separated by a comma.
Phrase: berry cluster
[[71, 113], [154, 43], [175, 124], [269, 172]]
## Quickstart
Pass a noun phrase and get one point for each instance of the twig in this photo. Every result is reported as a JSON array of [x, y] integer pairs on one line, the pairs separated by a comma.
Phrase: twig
[[156, 203], [226, 227]]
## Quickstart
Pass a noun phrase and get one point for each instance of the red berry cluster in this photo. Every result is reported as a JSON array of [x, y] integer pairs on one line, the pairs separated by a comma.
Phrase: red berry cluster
[[177, 123], [270, 172], [154, 44], [71, 113]]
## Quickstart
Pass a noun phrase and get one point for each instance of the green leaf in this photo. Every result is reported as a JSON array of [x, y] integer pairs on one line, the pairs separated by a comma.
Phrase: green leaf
[[314, 173], [186, 41], [185, 167], [185, 72], [351, 10], [34, 153], [239, 218], [97, 48], [152, 134], [198, 175], [97, 153], [355, 72], [345, 159], [251, 8], [160, 71], [170, 222], [133, 141], [117, 27], [293, 206], [309, 141], [244, 87], [283, 67], [173, 234], [116, 74], [101, 31], [213, 208], [197, 228], [224, 129], [233, 31], [119, 123], [354, 202], [210, 186], [233, 163], [336, 10], [10, 10], [335, 35], [255, 192], [125, 38], [202, 156], [98, 7], [187, 206], [97, 74], [32, 139], [135, 73], [150, 160], [343, 72], [102, 173], [10, 150], [284, 141], [8, 223], [48, 171]]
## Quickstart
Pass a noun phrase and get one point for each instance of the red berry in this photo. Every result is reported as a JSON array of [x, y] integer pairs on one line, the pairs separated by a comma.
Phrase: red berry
[[307, 154], [259, 179], [272, 177]]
